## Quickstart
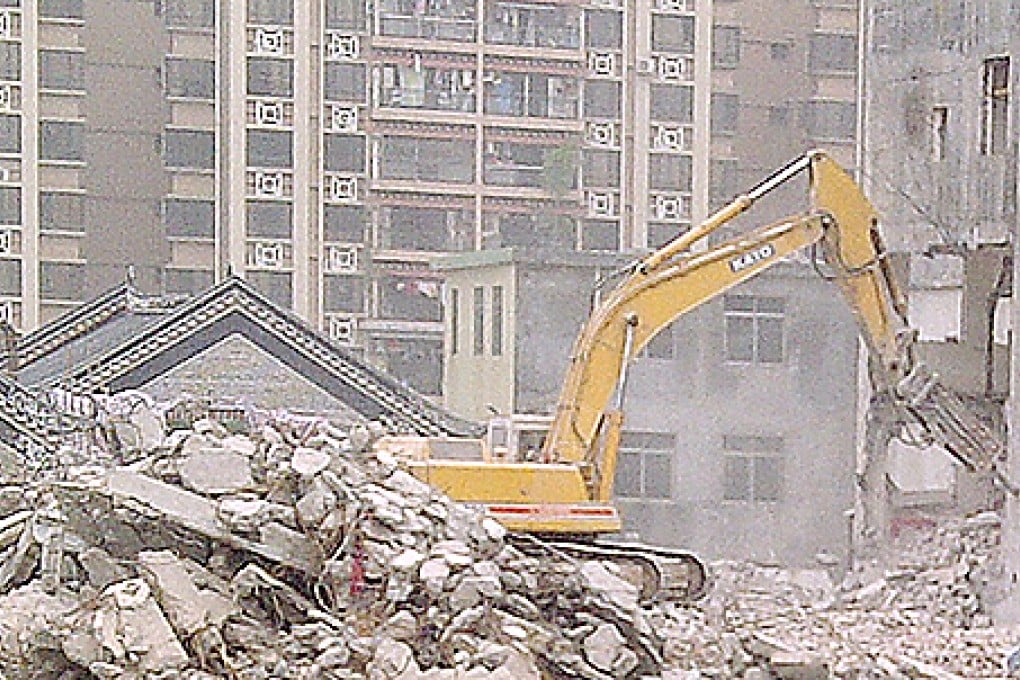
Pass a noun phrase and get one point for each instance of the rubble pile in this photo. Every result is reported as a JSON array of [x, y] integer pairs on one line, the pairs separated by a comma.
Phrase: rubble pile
[[924, 617], [292, 552]]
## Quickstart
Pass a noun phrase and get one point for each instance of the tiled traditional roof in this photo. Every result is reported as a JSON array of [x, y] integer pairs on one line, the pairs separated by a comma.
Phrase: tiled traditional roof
[[122, 340]]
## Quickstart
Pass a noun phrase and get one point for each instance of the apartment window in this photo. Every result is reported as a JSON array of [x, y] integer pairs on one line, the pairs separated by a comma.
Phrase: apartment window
[[454, 321], [436, 160], [604, 29], [343, 294], [478, 321], [344, 223], [601, 168], [496, 341], [779, 116], [725, 111], [61, 211], [345, 14], [754, 328], [833, 53], [780, 51], [669, 172], [61, 141], [531, 25], [10, 277], [833, 121], [10, 205], [601, 99], [61, 70], [272, 12], [995, 106], [62, 9], [672, 34], [10, 61], [189, 218], [189, 13], [344, 153], [410, 297], [723, 181], [645, 466], [192, 149], [61, 280], [187, 281], [939, 128], [725, 46], [268, 149], [427, 229], [752, 468], [276, 286], [673, 104], [534, 94], [660, 346], [191, 78], [270, 77], [345, 82], [600, 235], [10, 133], [269, 219]]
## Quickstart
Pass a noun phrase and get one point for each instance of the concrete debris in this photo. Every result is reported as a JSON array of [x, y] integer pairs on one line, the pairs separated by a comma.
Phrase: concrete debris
[[926, 616], [290, 552], [296, 551]]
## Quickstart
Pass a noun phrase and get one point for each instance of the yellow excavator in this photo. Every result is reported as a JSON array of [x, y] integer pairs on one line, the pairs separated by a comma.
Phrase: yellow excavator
[[553, 478]]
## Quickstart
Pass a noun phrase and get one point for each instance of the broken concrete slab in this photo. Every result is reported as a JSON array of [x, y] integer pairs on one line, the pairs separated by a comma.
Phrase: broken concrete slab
[[200, 514], [189, 608], [216, 471]]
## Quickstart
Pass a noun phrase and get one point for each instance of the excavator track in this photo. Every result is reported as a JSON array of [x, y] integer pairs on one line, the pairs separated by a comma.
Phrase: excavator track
[[659, 573]]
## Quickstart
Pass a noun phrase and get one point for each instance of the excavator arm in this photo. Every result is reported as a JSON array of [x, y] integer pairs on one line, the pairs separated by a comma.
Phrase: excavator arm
[[678, 277]]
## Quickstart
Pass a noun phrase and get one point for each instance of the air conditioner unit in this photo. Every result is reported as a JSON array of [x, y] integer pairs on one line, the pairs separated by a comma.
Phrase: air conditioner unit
[[675, 5], [5, 175], [6, 242], [602, 64], [268, 255], [269, 184], [269, 113], [601, 204], [341, 259], [673, 68], [343, 188], [668, 208], [5, 24], [343, 118], [342, 328], [269, 41], [601, 134], [7, 311], [340, 46], [644, 67], [669, 138], [6, 100]]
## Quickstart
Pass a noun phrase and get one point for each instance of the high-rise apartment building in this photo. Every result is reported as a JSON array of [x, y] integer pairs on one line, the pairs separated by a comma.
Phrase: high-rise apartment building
[[326, 150]]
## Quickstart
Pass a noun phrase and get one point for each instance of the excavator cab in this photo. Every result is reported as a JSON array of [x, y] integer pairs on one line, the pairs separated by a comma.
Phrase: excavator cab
[[518, 438]]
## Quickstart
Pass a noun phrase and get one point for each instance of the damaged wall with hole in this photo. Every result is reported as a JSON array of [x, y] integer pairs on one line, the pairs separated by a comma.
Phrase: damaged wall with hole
[[939, 161]]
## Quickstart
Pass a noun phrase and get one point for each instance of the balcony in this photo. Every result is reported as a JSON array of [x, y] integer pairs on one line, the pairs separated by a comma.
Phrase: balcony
[[533, 26], [430, 19], [428, 88]]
